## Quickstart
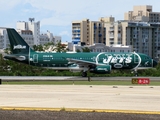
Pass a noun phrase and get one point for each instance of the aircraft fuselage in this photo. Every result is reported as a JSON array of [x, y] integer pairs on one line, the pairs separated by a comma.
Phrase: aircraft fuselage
[[116, 60]]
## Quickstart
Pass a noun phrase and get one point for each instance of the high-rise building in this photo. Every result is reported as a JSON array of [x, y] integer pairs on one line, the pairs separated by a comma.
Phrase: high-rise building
[[3, 38], [114, 34], [30, 28], [80, 31], [142, 13], [89, 32]]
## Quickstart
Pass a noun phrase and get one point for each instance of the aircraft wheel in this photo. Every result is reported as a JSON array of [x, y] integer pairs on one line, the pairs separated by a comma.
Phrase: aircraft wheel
[[84, 74]]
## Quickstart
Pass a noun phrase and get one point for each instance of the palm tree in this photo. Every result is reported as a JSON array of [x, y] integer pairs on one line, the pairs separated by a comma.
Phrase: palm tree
[[59, 47], [35, 47], [86, 49], [38, 48], [49, 46]]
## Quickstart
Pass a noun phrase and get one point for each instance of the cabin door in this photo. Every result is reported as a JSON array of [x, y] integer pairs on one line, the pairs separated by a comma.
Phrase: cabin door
[[136, 59], [35, 58]]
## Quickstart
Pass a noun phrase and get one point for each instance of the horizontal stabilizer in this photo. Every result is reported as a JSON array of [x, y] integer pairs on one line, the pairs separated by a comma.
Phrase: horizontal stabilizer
[[20, 58]]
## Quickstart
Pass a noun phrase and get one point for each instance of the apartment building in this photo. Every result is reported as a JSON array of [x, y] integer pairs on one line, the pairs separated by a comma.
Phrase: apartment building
[[28, 29], [142, 13], [80, 31], [89, 32], [4, 43], [114, 34]]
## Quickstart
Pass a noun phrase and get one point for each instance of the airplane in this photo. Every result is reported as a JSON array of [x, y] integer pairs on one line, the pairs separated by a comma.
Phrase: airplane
[[98, 63]]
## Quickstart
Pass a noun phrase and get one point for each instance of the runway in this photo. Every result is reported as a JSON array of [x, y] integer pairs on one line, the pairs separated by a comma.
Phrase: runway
[[50, 78], [136, 99]]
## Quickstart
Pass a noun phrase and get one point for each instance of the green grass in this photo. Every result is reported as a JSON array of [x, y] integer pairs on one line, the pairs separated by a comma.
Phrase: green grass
[[157, 83]]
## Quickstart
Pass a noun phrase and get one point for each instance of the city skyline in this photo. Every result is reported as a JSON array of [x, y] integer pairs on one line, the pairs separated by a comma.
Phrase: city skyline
[[57, 16]]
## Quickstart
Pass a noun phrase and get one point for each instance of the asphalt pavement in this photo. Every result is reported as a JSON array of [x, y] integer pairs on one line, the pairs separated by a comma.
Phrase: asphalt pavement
[[63, 115]]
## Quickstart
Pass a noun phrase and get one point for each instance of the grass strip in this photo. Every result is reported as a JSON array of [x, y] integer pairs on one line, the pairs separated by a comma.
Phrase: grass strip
[[97, 82]]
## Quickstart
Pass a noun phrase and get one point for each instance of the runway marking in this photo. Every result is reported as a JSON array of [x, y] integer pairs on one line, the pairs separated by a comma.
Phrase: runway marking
[[80, 110]]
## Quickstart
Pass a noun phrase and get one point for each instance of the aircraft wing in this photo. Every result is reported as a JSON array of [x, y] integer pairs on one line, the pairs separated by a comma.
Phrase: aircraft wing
[[82, 63]]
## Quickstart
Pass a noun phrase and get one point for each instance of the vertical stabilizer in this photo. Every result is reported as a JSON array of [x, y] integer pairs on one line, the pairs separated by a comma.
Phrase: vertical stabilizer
[[18, 45]]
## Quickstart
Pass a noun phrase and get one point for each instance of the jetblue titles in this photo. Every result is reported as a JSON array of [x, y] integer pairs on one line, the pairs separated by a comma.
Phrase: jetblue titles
[[19, 47]]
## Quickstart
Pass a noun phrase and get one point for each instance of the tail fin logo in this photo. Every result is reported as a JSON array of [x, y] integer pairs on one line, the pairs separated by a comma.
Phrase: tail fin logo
[[19, 47]]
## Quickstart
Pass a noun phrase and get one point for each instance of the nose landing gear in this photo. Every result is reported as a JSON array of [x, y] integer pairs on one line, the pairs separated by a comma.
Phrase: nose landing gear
[[135, 73]]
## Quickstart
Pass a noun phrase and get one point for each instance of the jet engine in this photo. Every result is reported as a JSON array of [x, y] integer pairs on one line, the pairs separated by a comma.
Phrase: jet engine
[[101, 69]]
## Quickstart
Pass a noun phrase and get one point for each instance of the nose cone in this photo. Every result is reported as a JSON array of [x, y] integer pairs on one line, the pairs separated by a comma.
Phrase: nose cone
[[155, 63]]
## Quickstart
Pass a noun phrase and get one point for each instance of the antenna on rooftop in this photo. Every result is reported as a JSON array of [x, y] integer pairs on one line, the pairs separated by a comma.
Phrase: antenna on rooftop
[[31, 19]]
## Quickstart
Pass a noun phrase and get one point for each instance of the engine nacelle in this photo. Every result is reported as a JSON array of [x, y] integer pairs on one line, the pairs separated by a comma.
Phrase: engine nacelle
[[101, 69]]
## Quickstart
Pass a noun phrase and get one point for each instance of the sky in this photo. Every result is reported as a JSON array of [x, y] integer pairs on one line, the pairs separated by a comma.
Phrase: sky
[[56, 16]]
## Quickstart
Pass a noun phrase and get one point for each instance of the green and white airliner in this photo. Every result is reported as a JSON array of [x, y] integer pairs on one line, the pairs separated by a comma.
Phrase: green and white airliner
[[97, 63]]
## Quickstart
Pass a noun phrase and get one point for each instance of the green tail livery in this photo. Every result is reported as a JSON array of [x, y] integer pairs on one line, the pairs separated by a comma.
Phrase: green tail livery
[[98, 63]]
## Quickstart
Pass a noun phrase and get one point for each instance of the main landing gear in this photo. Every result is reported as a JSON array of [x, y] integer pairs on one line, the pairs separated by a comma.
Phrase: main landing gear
[[84, 74]]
